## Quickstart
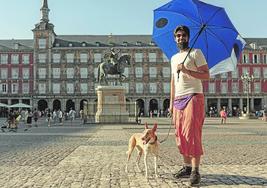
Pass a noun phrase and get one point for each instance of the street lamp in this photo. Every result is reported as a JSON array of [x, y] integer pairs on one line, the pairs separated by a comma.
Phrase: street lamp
[[247, 79]]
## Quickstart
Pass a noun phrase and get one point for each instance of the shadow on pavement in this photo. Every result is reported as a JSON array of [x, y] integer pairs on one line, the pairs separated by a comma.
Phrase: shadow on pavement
[[222, 179]]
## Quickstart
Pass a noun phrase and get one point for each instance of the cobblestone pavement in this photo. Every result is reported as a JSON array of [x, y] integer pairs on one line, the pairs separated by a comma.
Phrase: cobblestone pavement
[[94, 156]]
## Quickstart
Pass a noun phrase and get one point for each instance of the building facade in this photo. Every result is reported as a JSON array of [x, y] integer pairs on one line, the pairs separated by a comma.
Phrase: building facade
[[61, 71]]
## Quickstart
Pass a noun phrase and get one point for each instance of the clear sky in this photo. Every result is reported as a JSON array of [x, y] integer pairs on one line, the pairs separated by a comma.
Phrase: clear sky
[[119, 17]]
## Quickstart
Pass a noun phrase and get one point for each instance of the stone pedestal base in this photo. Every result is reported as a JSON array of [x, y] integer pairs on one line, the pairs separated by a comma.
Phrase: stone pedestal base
[[111, 105]]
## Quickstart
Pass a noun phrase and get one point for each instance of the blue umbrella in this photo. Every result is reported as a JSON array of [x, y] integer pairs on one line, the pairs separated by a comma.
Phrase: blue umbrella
[[211, 30]]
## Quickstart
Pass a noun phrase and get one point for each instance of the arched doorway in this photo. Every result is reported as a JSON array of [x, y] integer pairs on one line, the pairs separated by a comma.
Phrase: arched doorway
[[82, 103], [42, 105], [70, 105], [56, 105], [166, 105], [153, 107], [140, 107]]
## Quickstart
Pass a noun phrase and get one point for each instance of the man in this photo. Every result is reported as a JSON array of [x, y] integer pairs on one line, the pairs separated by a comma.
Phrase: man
[[187, 103], [113, 56]]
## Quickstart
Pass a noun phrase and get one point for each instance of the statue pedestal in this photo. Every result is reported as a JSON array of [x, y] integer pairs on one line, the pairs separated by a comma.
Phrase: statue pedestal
[[111, 105]]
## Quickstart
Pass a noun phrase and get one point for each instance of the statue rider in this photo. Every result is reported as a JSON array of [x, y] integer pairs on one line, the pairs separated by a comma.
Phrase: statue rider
[[113, 58]]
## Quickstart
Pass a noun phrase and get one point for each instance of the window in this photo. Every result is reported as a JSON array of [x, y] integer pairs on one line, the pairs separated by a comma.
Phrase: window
[[152, 72], [153, 88], [3, 73], [97, 57], [70, 57], [42, 58], [25, 88], [152, 57], [42, 88], [245, 70], [256, 58], [165, 58], [56, 58], [265, 72], [264, 59], [3, 88], [166, 72], [70, 88], [56, 88], [84, 72], [234, 87], [256, 72], [257, 87], [224, 75], [138, 57], [14, 88], [126, 87], [96, 72], [139, 87], [211, 87], [56, 72], [224, 88], [42, 73], [14, 59], [126, 72], [84, 88], [15, 73], [139, 72], [235, 73], [4, 58], [70, 72], [26, 73], [245, 58], [42, 43], [25, 58], [166, 87], [83, 57]]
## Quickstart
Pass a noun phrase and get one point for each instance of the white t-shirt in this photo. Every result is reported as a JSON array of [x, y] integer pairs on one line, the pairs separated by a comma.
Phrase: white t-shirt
[[187, 84]]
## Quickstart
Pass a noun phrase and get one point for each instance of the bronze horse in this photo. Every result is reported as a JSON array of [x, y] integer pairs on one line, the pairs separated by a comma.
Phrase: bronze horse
[[106, 68]]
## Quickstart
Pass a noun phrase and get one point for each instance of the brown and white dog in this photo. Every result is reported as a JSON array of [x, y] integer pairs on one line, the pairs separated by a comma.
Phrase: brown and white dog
[[146, 143]]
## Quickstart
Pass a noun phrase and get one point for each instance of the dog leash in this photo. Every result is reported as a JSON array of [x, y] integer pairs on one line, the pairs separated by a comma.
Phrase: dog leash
[[169, 116]]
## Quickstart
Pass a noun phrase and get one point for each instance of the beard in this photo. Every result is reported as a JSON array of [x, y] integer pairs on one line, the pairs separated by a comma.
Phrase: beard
[[183, 45]]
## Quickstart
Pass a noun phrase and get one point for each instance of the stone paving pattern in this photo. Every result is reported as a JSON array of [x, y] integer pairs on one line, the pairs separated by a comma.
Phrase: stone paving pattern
[[95, 155]]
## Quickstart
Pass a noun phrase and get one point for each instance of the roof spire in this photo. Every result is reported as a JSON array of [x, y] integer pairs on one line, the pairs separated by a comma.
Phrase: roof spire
[[44, 12]]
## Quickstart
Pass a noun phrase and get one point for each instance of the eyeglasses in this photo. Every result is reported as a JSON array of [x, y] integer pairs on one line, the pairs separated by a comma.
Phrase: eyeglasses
[[179, 35]]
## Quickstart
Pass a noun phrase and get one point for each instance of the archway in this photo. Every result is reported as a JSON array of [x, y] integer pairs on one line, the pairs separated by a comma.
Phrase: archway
[[82, 103], [140, 107], [166, 105], [56, 104], [153, 107], [70, 105], [42, 105]]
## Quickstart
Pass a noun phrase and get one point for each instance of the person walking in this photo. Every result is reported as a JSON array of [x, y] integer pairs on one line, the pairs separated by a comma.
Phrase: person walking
[[187, 103], [49, 117], [223, 115], [35, 117]]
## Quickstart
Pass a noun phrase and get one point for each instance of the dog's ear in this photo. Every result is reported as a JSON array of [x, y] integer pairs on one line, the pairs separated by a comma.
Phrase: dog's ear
[[146, 127], [155, 127]]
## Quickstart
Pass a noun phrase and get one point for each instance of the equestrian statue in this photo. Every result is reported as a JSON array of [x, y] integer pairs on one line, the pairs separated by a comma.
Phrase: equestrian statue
[[112, 65]]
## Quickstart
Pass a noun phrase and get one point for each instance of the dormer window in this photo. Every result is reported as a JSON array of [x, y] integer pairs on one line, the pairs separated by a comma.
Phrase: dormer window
[[42, 43], [70, 44], [125, 43], [138, 43], [83, 44], [16, 46], [97, 43], [57, 44], [152, 43]]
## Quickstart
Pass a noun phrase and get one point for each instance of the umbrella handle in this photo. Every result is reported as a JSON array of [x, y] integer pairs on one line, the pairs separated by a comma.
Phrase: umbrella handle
[[200, 31]]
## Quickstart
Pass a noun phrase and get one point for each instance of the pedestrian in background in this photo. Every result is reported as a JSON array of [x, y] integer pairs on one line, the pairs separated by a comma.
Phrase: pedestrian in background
[[223, 115]]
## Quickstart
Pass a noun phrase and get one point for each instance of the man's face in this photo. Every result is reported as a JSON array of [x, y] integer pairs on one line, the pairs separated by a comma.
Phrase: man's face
[[181, 37]]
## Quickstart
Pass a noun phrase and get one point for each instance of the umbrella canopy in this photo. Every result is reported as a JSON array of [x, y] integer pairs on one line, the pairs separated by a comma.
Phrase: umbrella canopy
[[211, 30], [3, 105], [20, 105]]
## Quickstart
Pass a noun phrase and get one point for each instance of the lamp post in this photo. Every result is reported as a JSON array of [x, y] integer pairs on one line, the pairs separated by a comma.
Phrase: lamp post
[[247, 79]]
